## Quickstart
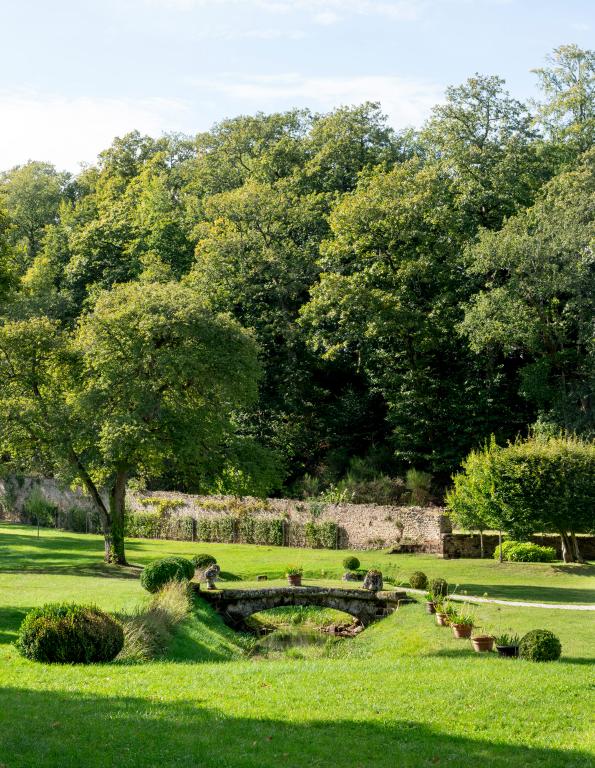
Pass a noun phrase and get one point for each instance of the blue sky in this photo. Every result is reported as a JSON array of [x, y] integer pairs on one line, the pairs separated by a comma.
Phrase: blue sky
[[74, 73]]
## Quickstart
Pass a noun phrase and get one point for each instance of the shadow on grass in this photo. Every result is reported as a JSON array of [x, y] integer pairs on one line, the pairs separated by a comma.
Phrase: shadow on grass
[[76, 729], [532, 594]]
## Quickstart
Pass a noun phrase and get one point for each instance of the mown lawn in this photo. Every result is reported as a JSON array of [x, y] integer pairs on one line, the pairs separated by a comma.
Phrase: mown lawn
[[403, 693]]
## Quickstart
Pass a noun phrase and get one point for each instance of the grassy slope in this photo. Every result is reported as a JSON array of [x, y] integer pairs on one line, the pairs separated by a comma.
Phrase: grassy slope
[[403, 693]]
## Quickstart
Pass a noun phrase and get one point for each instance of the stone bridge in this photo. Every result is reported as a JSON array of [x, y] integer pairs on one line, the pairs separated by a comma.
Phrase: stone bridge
[[235, 605]]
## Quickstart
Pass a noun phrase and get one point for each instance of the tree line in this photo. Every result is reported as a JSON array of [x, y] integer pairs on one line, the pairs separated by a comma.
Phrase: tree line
[[290, 299]]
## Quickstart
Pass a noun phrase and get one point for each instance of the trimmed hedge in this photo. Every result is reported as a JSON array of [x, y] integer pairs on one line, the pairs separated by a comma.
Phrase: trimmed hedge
[[321, 535], [439, 587], [525, 552], [152, 525], [158, 573], [242, 530], [540, 645], [351, 563], [68, 633]]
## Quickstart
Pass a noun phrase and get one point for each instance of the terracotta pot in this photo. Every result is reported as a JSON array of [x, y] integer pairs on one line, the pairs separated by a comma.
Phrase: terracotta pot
[[509, 651], [462, 630], [482, 643], [430, 607], [442, 619], [295, 580]]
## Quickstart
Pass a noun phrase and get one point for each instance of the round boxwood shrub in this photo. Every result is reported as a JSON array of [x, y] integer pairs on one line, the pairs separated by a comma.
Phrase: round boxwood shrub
[[203, 561], [418, 580], [68, 633], [439, 587], [158, 573], [351, 563], [540, 645]]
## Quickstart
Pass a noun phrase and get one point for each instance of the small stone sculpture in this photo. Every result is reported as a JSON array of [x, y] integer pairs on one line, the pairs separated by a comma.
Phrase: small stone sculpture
[[211, 575], [373, 581]]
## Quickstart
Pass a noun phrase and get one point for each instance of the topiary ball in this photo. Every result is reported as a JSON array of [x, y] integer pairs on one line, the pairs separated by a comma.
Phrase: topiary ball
[[158, 573], [351, 563], [540, 645], [418, 580], [439, 587], [203, 561], [67, 633]]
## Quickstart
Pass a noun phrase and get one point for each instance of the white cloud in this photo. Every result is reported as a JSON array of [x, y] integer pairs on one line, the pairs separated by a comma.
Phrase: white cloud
[[68, 131], [407, 102]]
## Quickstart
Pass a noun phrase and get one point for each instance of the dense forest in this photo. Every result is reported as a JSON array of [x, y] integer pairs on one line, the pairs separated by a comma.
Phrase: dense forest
[[411, 293]]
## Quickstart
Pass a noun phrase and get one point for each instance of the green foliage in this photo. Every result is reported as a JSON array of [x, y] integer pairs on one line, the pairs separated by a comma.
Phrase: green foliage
[[203, 560], [152, 525], [148, 631], [418, 484], [418, 580], [294, 570], [321, 535], [69, 634], [243, 528], [525, 552], [540, 645], [38, 509], [543, 483], [439, 587], [351, 563], [158, 573]]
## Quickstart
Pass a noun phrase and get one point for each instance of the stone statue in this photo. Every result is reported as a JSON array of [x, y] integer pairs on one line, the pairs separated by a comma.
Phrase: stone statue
[[373, 581], [211, 575]]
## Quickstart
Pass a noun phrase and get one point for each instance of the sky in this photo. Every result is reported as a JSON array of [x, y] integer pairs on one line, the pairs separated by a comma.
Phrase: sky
[[76, 73]]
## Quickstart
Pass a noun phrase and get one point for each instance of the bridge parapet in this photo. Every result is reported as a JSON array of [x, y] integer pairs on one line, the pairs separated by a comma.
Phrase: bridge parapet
[[236, 605]]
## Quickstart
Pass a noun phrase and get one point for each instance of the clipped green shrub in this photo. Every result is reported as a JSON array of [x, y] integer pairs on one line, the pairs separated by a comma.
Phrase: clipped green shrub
[[540, 645], [321, 535], [203, 560], [439, 587], [351, 563], [525, 552], [158, 573], [418, 580], [143, 525], [68, 633]]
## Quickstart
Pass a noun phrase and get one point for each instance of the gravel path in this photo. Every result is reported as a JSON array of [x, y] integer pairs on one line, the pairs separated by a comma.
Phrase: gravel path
[[513, 603]]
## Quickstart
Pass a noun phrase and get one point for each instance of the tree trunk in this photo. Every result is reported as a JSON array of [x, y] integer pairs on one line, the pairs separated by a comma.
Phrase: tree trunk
[[114, 538], [481, 549], [500, 545], [576, 551], [567, 553]]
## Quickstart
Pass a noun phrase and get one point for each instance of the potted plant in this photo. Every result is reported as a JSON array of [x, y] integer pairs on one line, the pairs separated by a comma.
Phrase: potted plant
[[461, 621], [507, 645], [441, 615], [430, 603], [482, 643], [294, 575]]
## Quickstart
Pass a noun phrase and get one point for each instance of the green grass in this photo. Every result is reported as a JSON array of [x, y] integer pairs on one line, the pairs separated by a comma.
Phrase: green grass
[[64, 553], [403, 693]]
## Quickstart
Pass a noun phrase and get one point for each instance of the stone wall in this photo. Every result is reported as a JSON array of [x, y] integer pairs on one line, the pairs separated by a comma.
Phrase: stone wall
[[14, 492], [468, 545], [361, 526]]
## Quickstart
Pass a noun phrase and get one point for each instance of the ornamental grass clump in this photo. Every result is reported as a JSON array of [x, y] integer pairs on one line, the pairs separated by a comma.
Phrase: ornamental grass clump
[[158, 573], [68, 633], [148, 630]]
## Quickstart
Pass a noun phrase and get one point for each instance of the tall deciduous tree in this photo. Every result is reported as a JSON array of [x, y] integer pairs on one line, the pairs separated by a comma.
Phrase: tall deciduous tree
[[150, 378], [568, 110], [537, 303]]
